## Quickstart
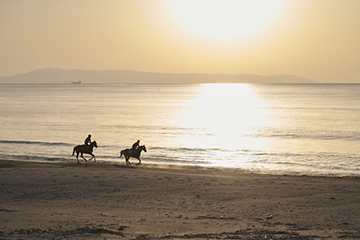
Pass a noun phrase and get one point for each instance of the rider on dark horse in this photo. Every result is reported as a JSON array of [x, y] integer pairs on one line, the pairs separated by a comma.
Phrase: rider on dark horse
[[134, 147]]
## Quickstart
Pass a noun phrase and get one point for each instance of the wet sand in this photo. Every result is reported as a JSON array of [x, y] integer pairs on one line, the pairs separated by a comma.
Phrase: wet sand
[[113, 201]]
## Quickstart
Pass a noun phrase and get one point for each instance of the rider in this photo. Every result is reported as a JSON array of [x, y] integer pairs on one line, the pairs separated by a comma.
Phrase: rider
[[88, 140], [135, 146]]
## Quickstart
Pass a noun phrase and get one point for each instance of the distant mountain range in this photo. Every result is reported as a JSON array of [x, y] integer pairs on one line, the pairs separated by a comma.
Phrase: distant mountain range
[[57, 75]]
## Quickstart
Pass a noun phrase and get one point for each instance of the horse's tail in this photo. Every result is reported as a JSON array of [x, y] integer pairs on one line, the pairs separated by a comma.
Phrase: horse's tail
[[121, 153], [73, 152]]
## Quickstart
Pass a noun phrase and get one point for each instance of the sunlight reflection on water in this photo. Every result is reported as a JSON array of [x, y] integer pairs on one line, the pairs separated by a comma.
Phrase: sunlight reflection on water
[[223, 114]]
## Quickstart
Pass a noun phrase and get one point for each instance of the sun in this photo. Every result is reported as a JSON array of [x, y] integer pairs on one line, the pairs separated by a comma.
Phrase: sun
[[225, 20]]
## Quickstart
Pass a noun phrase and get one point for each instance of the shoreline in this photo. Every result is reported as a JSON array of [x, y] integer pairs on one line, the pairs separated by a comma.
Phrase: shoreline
[[180, 167], [106, 200]]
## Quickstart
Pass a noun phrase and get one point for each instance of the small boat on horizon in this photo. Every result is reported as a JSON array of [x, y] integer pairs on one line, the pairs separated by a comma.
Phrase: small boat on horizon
[[79, 82]]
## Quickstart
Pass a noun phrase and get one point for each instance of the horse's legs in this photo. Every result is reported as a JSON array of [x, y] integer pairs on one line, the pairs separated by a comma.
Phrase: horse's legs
[[127, 160], [83, 157], [93, 157], [77, 157], [138, 162]]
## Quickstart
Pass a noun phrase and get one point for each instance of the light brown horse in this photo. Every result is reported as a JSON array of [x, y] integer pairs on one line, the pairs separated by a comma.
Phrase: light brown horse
[[132, 153], [85, 149]]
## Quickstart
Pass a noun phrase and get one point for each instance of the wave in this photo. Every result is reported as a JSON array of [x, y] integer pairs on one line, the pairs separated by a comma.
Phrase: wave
[[353, 136], [181, 149], [124, 128], [37, 143], [317, 108]]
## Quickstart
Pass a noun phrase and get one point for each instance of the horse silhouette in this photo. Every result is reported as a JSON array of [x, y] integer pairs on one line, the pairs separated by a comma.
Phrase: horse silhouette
[[135, 153], [88, 149]]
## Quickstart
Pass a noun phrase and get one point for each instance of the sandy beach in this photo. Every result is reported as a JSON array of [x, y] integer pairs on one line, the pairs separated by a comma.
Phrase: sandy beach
[[113, 201]]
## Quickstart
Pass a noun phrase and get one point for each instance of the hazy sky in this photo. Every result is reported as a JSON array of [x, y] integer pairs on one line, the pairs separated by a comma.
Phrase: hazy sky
[[316, 39]]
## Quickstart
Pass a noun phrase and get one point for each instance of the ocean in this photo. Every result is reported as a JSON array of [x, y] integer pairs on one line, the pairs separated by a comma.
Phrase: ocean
[[298, 129]]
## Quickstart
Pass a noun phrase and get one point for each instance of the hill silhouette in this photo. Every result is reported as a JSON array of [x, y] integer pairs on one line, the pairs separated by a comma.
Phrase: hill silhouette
[[51, 75]]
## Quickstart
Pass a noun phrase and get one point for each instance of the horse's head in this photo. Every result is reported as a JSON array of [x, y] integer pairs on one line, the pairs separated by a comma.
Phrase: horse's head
[[94, 144], [143, 148]]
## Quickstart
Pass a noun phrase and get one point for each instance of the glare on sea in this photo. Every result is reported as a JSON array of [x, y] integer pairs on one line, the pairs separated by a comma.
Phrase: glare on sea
[[224, 116]]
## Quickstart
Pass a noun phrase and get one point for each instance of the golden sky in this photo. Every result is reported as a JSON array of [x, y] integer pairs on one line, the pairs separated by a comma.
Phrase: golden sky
[[316, 39]]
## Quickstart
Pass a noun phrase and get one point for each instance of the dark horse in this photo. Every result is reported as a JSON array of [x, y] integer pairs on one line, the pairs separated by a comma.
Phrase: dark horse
[[85, 149], [132, 153]]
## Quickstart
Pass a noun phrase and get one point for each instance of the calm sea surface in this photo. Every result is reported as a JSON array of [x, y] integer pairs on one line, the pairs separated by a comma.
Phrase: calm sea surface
[[310, 129]]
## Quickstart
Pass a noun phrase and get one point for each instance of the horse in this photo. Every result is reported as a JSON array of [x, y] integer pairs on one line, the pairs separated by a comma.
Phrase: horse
[[88, 149], [136, 154]]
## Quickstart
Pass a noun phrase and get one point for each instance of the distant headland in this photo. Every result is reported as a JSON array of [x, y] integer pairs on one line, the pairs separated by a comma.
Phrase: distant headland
[[57, 75]]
